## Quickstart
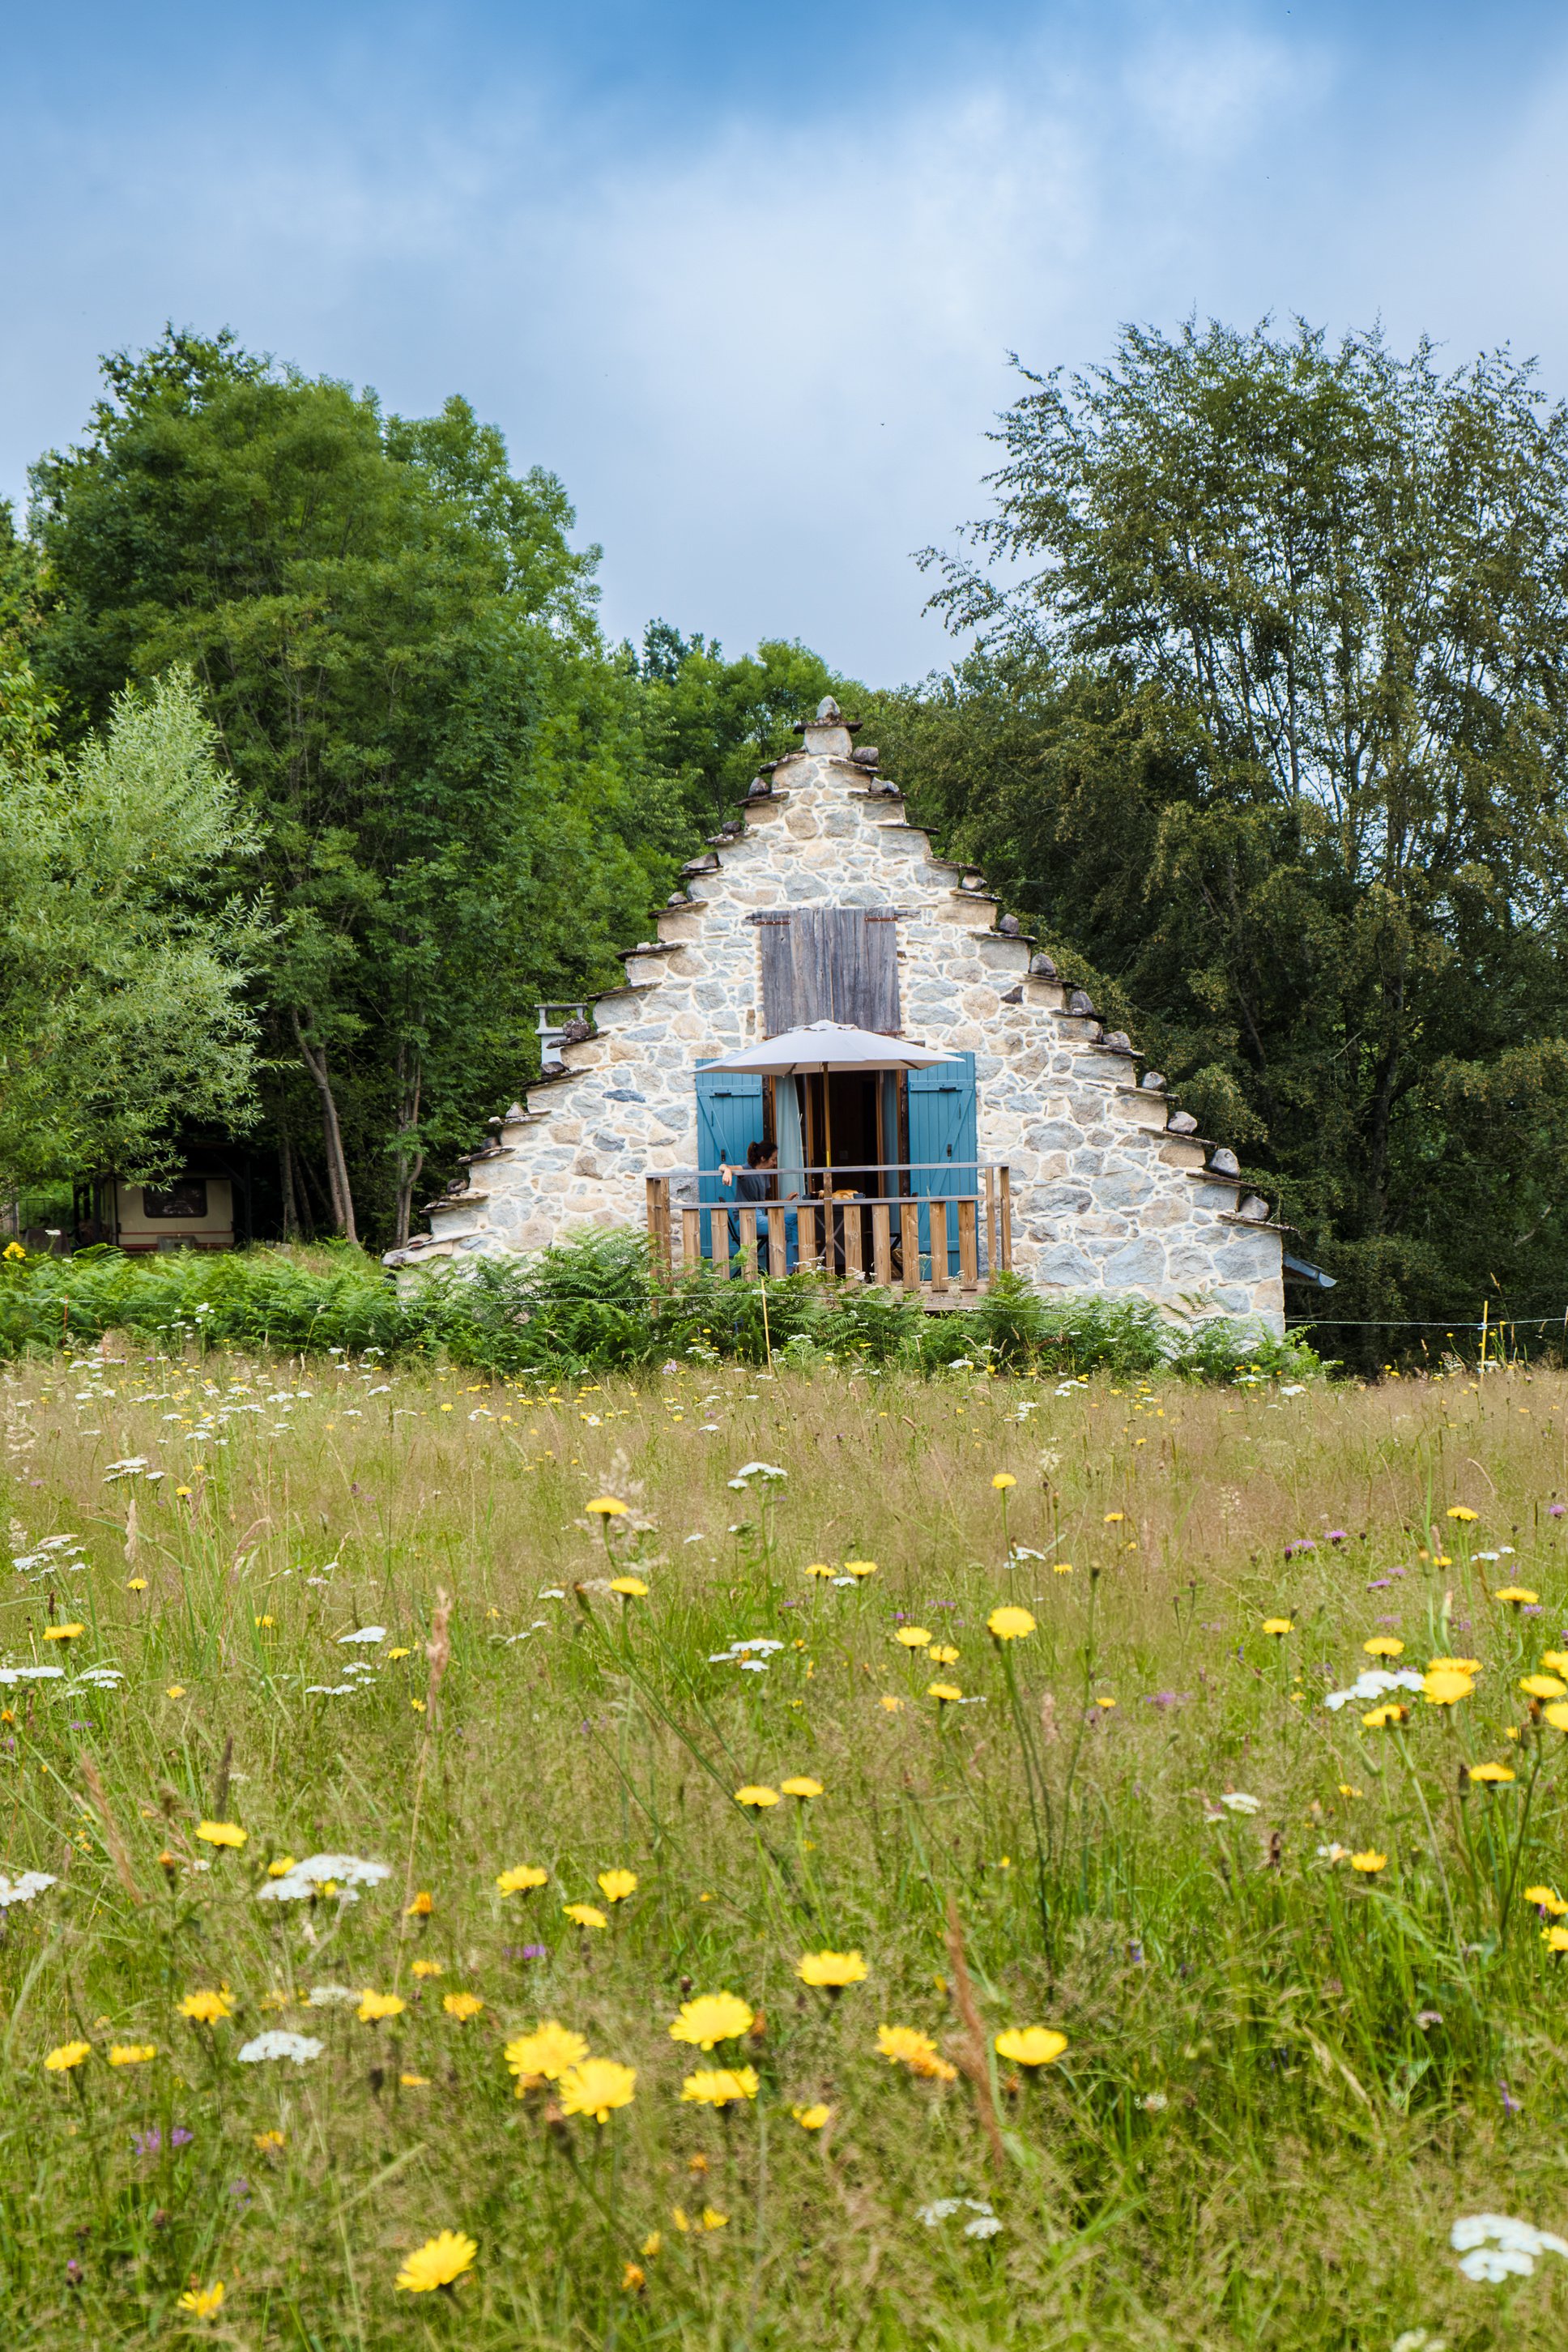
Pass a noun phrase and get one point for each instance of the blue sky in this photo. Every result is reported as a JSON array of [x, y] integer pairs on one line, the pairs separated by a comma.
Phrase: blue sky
[[747, 278]]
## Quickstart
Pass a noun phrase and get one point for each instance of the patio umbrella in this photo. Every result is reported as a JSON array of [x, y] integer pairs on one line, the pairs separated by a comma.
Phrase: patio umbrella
[[827, 1048]]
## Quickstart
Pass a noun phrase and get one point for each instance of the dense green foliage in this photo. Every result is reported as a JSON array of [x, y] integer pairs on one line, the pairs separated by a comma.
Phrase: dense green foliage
[[124, 957], [462, 801], [591, 1305], [1263, 729]]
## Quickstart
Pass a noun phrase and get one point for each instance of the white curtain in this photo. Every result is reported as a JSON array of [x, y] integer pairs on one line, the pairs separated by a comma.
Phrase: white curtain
[[788, 1134]]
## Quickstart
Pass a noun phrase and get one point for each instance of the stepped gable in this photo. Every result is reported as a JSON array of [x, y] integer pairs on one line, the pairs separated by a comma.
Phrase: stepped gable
[[1111, 1191]]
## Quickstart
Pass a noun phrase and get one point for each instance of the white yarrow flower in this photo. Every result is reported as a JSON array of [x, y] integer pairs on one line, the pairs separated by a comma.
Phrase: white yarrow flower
[[23, 1889], [300, 2047]]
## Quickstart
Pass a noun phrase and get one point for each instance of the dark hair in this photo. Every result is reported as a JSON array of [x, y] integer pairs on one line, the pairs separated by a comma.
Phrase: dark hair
[[755, 1154]]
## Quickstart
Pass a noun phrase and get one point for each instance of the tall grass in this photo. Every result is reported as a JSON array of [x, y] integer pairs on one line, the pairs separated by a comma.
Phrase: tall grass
[[1282, 2081]]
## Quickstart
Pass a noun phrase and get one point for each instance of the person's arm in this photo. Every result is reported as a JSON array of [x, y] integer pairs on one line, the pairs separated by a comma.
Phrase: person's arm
[[726, 1173]]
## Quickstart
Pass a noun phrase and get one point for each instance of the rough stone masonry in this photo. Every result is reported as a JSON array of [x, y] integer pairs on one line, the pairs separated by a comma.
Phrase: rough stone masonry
[[1112, 1192]]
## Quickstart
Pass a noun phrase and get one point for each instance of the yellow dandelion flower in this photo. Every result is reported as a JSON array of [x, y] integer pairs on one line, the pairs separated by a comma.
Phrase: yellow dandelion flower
[[650, 2245], [1369, 1863], [201, 2302], [614, 1885], [632, 2277], [1061, 1568], [440, 2261], [1002, 1480], [1557, 1716], [546, 2053], [1555, 1661], [222, 1833], [280, 1865], [1546, 1898], [400, 1652], [913, 1637], [831, 1970], [63, 1632], [266, 2141], [1009, 1624], [861, 1568], [462, 2005], [132, 2053], [1454, 1665], [818, 1568], [630, 1588], [720, 2086], [1491, 1776], [175, 1690], [606, 1506], [906, 2045], [800, 1785], [1348, 1790], [944, 1693], [1462, 1511], [1555, 1940], [1278, 1625], [205, 2008], [67, 2055], [428, 1968], [712, 2017], [892, 1702], [374, 2006], [136, 1584], [1382, 1718], [583, 1915], [1031, 2045], [942, 1654], [1518, 1595], [1544, 1686], [519, 1880], [713, 2219], [423, 1905], [811, 2119], [758, 1797], [595, 2087], [1447, 1688], [1383, 1645]]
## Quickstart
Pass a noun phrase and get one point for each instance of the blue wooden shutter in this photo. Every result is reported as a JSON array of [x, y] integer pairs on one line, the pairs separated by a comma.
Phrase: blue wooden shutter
[[729, 1118], [943, 1130]]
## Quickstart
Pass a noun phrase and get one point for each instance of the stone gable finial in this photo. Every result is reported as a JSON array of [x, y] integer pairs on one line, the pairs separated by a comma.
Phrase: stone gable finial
[[827, 711]]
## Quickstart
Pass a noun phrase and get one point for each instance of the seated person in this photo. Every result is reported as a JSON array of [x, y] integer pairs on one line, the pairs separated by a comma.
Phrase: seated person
[[752, 1183]]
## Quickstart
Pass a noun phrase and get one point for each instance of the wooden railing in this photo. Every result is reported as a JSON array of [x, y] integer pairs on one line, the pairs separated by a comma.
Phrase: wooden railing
[[899, 1240]]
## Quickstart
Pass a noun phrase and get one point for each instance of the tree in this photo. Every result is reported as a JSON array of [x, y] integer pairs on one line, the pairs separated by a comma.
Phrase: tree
[[397, 643], [1265, 723], [122, 965], [709, 721]]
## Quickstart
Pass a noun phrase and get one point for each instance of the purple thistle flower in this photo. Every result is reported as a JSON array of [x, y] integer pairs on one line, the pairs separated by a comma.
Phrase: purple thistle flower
[[180, 2136], [1511, 2105], [1337, 1534], [147, 2143], [1555, 1510]]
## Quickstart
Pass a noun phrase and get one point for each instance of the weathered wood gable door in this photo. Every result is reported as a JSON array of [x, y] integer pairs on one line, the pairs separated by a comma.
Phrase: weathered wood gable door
[[829, 963]]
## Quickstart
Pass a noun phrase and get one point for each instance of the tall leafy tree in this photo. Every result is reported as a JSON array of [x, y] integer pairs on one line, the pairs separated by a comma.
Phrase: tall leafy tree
[[123, 962], [1265, 725], [397, 642]]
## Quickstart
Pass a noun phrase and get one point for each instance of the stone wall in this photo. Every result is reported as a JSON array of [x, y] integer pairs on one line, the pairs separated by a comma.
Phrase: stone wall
[[1108, 1194]]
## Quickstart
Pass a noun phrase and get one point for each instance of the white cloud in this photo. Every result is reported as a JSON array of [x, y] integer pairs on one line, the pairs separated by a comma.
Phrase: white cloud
[[763, 353]]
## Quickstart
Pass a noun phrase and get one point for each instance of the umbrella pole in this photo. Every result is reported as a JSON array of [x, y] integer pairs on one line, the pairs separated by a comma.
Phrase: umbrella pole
[[827, 1128]]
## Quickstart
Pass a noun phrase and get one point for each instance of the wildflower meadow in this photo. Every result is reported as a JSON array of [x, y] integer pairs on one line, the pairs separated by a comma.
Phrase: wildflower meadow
[[736, 1858]]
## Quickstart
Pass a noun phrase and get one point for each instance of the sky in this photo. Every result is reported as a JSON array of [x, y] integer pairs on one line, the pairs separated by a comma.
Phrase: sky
[[749, 278]]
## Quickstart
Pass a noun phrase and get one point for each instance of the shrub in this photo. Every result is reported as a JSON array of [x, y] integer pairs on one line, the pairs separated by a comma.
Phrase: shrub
[[592, 1303]]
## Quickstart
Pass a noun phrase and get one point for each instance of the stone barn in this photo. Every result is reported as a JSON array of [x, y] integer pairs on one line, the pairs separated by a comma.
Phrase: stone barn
[[1036, 1146]]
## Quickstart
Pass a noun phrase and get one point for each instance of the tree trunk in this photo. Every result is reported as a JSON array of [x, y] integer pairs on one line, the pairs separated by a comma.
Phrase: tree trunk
[[315, 1060], [410, 1083], [291, 1224]]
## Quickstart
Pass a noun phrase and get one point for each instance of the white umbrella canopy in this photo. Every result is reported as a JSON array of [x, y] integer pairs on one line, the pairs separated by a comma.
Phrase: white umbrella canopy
[[828, 1047]]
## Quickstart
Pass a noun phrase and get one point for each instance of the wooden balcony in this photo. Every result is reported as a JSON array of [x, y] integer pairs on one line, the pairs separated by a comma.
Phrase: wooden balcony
[[945, 1245]]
